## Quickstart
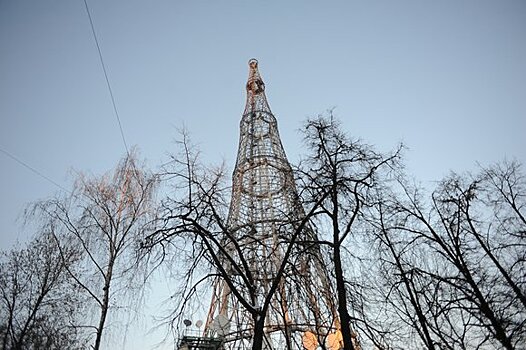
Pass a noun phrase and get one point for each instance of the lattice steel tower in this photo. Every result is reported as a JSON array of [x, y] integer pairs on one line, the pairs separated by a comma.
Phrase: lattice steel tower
[[264, 212]]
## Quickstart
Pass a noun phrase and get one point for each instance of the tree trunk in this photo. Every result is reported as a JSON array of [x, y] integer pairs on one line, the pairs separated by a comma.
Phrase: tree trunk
[[8, 329], [259, 332], [345, 318], [104, 306]]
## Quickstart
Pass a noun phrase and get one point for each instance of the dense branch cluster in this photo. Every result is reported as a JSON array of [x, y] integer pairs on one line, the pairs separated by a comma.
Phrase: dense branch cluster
[[410, 269], [444, 271], [61, 289], [453, 266]]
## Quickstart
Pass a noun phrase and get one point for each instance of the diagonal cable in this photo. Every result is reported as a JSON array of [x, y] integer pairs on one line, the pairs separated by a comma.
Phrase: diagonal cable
[[24, 164], [106, 76]]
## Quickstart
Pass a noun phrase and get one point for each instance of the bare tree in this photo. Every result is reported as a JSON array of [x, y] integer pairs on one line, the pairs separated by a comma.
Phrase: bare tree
[[105, 219], [38, 300], [341, 174], [465, 286], [502, 237], [445, 272], [195, 220], [407, 296]]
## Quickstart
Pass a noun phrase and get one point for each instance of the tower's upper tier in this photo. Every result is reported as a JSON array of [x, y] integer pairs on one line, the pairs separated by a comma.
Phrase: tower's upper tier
[[256, 99]]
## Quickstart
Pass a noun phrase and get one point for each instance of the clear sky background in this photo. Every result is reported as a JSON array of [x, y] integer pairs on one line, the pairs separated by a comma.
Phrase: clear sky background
[[447, 78]]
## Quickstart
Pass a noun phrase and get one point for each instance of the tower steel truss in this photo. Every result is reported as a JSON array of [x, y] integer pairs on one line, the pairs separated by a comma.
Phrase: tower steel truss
[[264, 212]]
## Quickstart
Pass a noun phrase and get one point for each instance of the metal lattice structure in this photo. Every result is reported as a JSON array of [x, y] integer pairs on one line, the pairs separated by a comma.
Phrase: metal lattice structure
[[264, 211]]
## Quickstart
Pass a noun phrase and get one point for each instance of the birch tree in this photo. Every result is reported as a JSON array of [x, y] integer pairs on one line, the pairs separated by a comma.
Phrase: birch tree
[[105, 218]]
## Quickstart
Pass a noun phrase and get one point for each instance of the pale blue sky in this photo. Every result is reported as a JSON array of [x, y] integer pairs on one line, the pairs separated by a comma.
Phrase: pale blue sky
[[448, 78]]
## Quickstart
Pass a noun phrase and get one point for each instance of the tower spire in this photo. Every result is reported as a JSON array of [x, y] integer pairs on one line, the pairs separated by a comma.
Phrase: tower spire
[[264, 213], [255, 84], [256, 99]]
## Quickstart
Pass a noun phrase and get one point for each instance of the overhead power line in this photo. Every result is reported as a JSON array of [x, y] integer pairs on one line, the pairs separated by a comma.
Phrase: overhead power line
[[116, 112], [106, 76], [27, 166]]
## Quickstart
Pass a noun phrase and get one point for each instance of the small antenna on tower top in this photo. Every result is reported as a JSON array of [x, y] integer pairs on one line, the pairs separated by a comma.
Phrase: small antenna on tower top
[[255, 84]]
